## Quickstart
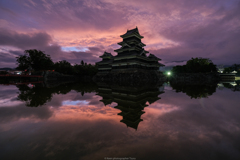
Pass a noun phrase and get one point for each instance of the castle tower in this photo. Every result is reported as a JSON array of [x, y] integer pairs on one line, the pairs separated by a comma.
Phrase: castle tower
[[105, 66], [133, 55], [131, 63]]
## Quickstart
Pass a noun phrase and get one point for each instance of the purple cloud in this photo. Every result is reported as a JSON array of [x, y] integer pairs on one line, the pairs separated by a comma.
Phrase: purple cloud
[[41, 41], [173, 30]]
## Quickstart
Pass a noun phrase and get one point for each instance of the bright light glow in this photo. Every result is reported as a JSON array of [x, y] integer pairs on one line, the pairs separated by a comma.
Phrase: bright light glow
[[233, 83], [169, 73]]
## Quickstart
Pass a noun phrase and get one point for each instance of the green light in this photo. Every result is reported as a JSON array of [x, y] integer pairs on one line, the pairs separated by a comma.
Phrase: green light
[[169, 73]]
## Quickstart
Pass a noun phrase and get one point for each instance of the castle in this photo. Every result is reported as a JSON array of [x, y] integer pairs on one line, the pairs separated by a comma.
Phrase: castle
[[130, 58]]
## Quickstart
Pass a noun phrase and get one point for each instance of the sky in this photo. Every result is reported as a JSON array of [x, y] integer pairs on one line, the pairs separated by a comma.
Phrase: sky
[[173, 30]]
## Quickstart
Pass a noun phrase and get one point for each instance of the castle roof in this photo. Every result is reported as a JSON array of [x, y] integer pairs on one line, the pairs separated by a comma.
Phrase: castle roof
[[132, 32], [106, 55], [161, 64], [153, 57]]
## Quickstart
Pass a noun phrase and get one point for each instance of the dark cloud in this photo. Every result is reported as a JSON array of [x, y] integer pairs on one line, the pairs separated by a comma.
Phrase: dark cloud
[[6, 57], [8, 11], [41, 41], [23, 41], [96, 49], [190, 28], [217, 39], [81, 14]]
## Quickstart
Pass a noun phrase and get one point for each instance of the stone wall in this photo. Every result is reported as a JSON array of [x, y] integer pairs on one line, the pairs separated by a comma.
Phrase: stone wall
[[131, 76], [55, 76]]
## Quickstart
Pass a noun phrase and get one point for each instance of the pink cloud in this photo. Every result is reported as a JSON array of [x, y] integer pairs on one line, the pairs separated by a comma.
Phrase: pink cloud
[[174, 30]]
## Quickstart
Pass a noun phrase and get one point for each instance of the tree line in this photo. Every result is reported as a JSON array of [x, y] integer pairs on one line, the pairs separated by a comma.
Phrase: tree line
[[234, 67], [196, 65], [37, 60]]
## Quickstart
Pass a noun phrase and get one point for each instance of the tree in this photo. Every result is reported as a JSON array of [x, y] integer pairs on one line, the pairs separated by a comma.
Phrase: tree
[[86, 69], [235, 67], [196, 65], [64, 67], [82, 63], [227, 70], [35, 59]]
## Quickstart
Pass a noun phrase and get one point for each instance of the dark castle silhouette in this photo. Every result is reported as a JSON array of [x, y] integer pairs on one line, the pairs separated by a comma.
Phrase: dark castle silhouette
[[130, 57], [131, 100]]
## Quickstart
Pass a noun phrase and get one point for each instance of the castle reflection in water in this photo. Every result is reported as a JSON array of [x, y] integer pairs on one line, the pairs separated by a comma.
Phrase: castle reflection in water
[[131, 101]]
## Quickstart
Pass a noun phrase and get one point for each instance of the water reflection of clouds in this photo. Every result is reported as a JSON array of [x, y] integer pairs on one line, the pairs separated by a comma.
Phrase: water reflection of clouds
[[15, 113], [86, 112], [11, 109], [8, 96], [19, 111], [174, 127], [71, 98], [9, 101], [193, 119]]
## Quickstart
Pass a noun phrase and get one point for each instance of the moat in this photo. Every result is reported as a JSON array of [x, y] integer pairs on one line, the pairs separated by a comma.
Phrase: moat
[[97, 121]]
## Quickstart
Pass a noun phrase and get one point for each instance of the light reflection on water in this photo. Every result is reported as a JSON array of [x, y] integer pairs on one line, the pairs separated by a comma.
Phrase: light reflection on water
[[79, 121]]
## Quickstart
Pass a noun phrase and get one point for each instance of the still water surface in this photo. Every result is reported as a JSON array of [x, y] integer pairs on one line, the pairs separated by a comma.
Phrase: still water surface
[[86, 121]]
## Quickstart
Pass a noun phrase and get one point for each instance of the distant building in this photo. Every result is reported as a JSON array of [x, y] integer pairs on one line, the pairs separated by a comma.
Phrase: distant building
[[131, 55]]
